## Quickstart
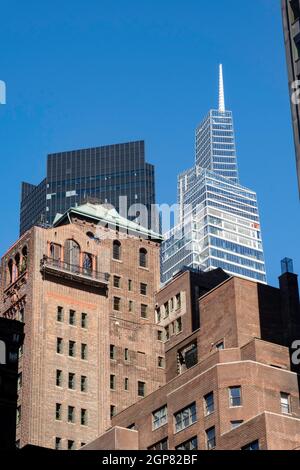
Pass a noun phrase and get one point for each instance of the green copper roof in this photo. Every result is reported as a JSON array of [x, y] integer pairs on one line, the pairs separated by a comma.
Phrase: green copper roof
[[107, 215]]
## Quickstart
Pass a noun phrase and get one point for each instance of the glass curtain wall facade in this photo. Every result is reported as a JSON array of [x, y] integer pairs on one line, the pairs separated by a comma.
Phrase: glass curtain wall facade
[[215, 145], [219, 228], [103, 173], [218, 220], [291, 27]]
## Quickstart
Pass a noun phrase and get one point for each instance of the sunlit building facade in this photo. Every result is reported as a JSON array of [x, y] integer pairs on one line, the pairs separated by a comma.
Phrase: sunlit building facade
[[219, 224]]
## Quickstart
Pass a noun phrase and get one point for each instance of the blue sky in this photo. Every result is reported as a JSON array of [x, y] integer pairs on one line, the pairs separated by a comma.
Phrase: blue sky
[[96, 72]]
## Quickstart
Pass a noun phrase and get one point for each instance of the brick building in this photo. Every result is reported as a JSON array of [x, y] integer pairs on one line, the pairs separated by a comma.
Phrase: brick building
[[230, 381], [85, 291], [11, 338]]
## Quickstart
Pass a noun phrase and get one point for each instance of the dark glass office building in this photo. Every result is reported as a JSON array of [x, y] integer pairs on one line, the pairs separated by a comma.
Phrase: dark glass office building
[[291, 25], [101, 174]]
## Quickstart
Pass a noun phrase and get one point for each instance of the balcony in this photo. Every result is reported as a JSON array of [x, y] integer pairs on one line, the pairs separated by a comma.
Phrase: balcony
[[73, 273]]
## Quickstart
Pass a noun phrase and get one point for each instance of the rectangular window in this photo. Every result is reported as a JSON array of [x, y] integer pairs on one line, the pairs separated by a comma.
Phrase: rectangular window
[[58, 443], [143, 288], [235, 396], [141, 389], [117, 282], [84, 352], [84, 320], [167, 312], [60, 314], [185, 417], [209, 404], [72, 348], [59, 345], [159, 418], [220, 346], [211, 438], [178, 326], [285, 401], [161, 445], [167, 333], [83, 417], [191, 444], [113, 411], [83, 383], [112, 382], [112, 352], [188, 357], [159, 335], [71, 445], [117, 304], [72, 317], [59, 376], [129, 284], [161, 362], [252, 446], [126, 354], [71, 381], [71, 414], [126, 383], [144, 311], [58, 411], [178, 301], [130, 306], [158, 315], [236, 424]]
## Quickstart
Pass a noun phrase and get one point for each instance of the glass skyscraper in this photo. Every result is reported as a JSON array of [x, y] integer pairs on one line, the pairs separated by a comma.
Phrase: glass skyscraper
[[101, 173], [291, 26], [219, 223]]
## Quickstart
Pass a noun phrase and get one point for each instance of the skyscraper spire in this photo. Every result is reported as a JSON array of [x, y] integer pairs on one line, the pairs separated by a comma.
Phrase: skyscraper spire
[[221, 91]]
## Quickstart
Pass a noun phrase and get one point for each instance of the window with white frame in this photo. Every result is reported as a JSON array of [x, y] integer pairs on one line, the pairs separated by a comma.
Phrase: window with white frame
[[160, 417], [285, 401], [235, 396], [185, 417], [209, 405]]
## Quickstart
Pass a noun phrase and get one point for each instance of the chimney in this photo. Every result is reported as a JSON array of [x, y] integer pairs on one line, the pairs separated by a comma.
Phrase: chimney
[[290, 307]]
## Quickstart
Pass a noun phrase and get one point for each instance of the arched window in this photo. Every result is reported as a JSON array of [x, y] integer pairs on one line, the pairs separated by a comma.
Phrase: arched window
[[72, 253], [10, 271], [143, 258], [87, 263], [55, 252], [17, 265], [24, 258], [2, 352], [117, 251]]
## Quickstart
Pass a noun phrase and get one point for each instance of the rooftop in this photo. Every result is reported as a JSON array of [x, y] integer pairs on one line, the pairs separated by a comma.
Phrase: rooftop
[[108, 215]]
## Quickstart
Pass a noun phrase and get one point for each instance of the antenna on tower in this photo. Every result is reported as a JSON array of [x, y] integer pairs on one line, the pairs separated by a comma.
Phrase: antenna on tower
[[221, 90]]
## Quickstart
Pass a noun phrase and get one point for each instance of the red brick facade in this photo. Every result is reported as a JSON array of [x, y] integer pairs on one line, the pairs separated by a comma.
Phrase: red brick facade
[[77, 336], [238, 390]]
